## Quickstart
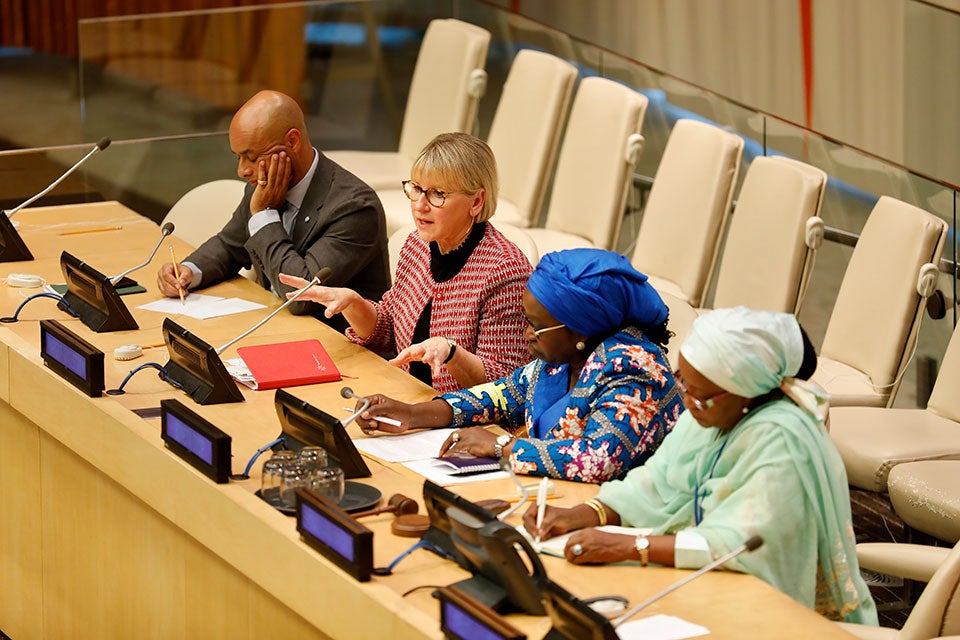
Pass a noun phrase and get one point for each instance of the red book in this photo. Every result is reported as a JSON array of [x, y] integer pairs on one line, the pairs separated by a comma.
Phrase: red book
[[289, 364]]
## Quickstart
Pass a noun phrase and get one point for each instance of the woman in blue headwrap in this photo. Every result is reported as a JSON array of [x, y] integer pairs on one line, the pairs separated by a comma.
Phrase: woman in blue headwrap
[[598, 399], [750, 456]]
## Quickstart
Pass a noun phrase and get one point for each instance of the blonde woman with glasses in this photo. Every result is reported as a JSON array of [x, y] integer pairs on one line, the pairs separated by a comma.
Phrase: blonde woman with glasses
[[454, 314]]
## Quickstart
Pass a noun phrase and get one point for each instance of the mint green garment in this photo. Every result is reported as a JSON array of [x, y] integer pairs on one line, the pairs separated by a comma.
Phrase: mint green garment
[[779, 476]]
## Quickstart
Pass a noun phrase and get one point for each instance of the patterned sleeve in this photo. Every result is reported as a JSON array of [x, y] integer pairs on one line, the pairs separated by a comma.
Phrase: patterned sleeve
[[629, 411], [502, 402], [381, 340]]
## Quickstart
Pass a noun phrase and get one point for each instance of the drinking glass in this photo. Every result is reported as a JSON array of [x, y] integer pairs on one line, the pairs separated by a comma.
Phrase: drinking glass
[[271, 475], [295, 476], [329, 483], [315, 458]]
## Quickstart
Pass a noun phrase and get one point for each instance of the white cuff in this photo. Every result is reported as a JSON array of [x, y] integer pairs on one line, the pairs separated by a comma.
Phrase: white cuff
[[261, 219], [691, 550]]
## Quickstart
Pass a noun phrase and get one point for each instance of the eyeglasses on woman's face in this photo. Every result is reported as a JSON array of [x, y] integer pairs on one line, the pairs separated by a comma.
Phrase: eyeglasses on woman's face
[[700, 404], [538, 332], [435, 197]]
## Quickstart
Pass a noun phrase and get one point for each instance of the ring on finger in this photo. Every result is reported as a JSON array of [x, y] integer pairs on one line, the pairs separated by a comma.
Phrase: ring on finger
[[455, 437], [262, 183], [577, 549]]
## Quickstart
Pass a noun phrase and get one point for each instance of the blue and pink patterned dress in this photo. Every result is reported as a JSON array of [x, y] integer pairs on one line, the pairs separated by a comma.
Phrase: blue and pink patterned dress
[[623, 404]]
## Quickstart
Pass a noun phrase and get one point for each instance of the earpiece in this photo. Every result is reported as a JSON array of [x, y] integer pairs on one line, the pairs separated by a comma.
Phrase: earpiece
[[632, 151], [814, 232], [927, 280]]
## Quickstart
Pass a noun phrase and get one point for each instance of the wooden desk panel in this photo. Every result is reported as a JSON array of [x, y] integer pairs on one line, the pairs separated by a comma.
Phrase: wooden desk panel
[[109, 535]]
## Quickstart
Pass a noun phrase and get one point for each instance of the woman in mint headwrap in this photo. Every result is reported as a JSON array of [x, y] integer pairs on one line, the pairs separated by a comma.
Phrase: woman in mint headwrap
[[598, 399], [750, 456]]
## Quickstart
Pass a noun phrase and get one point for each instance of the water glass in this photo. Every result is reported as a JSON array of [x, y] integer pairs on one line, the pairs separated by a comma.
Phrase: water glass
[[329, 483], [314, 458], [271, 474], [295, 476]]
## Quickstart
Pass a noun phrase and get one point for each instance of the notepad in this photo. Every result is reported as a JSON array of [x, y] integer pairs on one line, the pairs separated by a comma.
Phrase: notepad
[[464, 465], [287, 364]]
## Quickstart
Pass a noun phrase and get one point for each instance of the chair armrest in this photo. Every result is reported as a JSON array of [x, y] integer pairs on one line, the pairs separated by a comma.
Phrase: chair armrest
[[912, 561]]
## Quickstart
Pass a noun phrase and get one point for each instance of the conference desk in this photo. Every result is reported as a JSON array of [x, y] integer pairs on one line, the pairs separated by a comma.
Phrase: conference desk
[[105, 533]]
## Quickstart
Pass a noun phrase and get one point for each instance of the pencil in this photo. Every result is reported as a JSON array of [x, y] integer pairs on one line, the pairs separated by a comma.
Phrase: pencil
[[153, 346], [79, 231], [176, 272], [541, 504]]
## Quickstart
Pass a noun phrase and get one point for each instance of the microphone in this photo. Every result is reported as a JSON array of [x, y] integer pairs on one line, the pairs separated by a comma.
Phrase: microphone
[[322, 276], [347, 392], [100, 146], [751, 544], [524, 491], [166, 230]]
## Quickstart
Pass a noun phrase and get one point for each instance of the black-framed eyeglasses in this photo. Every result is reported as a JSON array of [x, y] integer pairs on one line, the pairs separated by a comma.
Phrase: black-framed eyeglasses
[[435, 197], [700, 404]]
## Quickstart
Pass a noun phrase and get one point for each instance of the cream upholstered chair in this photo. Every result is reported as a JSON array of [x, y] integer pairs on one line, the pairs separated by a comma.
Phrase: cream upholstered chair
[[523, 136], [201, 212], [687, 209], [926, 496], [516, 235], [873, 328], [773, 232], [680, 321], [448, 81], [525, 132], [873, 440], [937, 611], [600, 148]]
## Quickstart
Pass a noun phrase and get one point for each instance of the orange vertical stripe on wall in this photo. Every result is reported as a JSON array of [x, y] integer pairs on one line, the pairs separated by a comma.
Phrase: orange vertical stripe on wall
[[806, 40]]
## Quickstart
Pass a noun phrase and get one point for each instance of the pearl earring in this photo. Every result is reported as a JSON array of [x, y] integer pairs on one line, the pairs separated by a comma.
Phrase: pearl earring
[[581, 345], [746, 410]]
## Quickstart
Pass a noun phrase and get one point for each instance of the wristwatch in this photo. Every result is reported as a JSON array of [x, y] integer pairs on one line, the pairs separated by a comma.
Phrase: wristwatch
[[502, 441], [642, 544], [452, 352]]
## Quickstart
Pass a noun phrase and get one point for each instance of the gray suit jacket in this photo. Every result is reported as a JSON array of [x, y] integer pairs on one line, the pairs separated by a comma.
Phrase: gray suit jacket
[[340, 225]]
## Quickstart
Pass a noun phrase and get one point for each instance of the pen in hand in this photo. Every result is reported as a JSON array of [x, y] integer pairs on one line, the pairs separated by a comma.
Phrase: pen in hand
[[541, 504], [176, 272]]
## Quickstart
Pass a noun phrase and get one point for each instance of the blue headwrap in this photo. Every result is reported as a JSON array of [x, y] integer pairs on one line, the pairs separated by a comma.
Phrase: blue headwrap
[[593, 291]]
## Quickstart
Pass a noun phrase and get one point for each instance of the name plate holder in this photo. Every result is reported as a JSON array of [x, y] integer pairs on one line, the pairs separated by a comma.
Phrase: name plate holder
[[463, 617], [196, 440], [338, 537], [71, 357]]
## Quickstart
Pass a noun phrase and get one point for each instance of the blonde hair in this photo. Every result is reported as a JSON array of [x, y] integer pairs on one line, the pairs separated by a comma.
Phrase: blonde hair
[[461, 162]]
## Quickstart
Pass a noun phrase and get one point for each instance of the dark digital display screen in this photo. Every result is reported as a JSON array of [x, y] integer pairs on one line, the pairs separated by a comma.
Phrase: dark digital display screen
[[462, 625], [62, 353], [195, 442], [314, 523]]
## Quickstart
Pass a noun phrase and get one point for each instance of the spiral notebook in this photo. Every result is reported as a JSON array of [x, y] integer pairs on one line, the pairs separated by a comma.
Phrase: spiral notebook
[[464, 465]]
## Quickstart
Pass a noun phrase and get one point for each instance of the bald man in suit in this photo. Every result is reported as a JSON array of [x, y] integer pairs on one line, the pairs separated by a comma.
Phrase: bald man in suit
[[300, 212]]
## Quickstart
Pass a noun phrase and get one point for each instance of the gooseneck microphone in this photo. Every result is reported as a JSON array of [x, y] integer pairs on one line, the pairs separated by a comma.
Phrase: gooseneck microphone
[[751, 544], [322, 276], [100, 146], [166, 230], [348, 393]]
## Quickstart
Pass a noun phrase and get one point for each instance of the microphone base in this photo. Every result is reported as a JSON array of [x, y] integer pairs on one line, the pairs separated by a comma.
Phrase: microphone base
[[8, 320], [12, 247], [115, 392]]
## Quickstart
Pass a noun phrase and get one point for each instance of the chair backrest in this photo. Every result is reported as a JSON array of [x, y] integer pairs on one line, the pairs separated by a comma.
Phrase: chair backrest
[[765, 256], [944, 399], [521, 238], [600, 147], [395, 243], [680, 322], [877, 312], [448, 81], [204, 210], [526, 129], [937, 612], [687, 208]]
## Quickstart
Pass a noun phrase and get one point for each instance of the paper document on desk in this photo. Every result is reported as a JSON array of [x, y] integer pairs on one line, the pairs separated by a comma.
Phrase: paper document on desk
[[418, 445], [201, 307], [431, 471], [660, 627], [555, 546]]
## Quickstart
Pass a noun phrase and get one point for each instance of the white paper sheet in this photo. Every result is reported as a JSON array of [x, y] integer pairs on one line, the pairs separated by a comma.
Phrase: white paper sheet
[[660, 627], [418, 445], [201, 306]]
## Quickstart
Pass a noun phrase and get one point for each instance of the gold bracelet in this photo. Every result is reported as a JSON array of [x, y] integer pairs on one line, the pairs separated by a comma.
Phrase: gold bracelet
[[597, 506]]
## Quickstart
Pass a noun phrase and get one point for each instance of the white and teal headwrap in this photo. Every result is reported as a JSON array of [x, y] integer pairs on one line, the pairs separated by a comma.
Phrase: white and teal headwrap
[[750, 353]]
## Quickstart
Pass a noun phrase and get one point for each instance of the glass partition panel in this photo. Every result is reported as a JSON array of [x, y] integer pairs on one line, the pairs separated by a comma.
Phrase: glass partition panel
[[176, 79]]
